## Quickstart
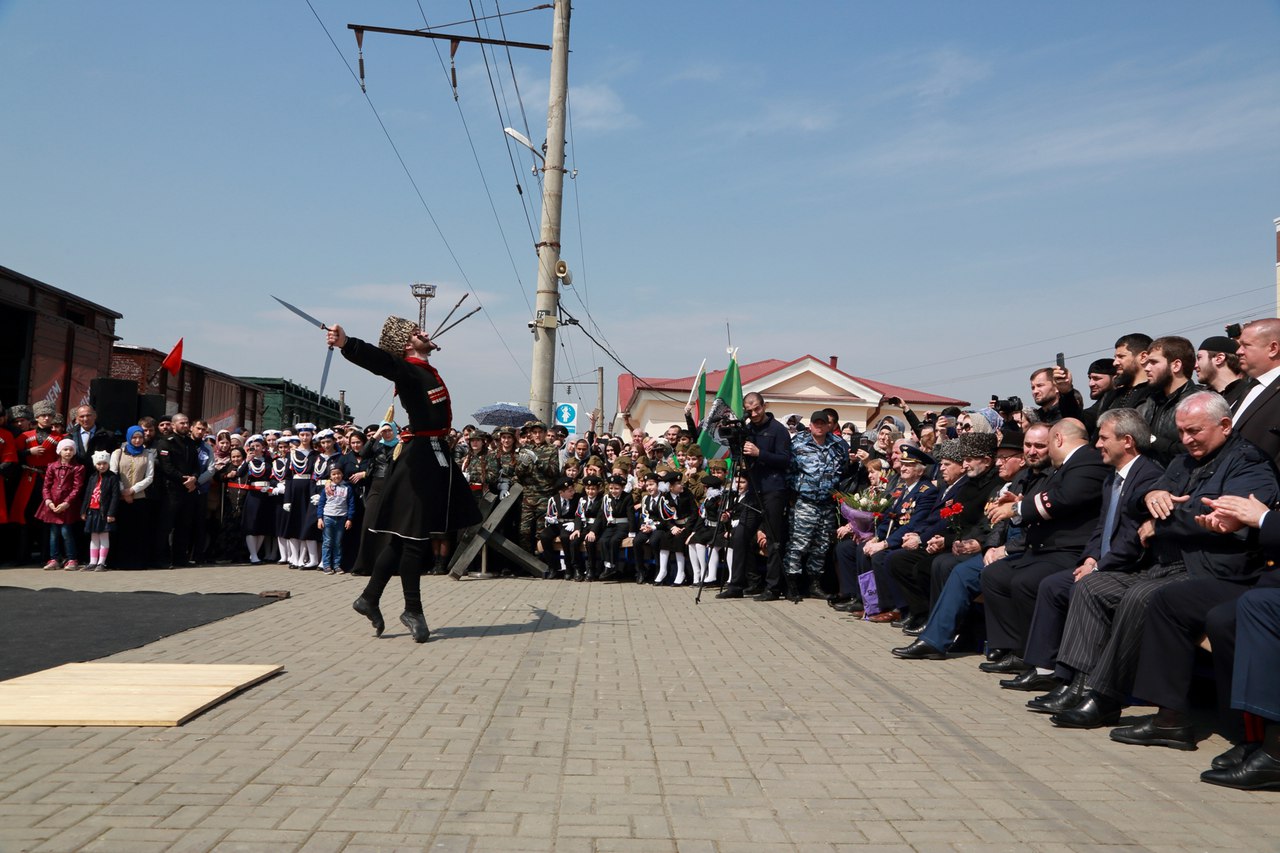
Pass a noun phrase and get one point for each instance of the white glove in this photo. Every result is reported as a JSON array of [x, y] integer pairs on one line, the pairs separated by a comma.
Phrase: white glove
[[527, 456], [287, 507], [279, 490], [315, 500]]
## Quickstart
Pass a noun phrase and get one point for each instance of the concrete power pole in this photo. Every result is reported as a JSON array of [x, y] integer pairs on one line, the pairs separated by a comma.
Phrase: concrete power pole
[[547, 305]]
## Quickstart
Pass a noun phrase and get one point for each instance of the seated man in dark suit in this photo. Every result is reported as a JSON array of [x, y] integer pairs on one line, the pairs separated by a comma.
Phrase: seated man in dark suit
[[1059, 517], [1114, 547], [1179, 615], [963, 578], [1106, 619]]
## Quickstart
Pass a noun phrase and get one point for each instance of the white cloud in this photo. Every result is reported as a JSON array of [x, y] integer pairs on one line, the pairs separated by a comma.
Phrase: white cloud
[[597, 106], [1100, 124]]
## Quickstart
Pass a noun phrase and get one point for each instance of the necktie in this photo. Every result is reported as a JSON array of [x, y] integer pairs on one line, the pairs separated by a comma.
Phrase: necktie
[[1248, 389], [1113, 510]]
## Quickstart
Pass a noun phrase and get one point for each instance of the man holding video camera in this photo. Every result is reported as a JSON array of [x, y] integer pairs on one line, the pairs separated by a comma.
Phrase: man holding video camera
[[766, 461]]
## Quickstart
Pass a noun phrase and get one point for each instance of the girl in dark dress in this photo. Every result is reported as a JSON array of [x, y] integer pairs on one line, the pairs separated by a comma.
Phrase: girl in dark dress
[[425, 494], [257, 517], [304, 548], [280, 483]]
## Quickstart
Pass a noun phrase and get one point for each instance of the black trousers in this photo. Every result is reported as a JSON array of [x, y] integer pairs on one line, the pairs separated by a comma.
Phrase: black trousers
[[185, 515], [1050, 619], [408, 557], [846, 557], [1177, 616], [775, 529], [746, 564], [1009, 589], [911, 569], [610, 543]]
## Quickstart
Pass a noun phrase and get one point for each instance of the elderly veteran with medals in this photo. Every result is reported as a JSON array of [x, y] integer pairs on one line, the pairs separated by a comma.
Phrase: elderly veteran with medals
[[425, 494]]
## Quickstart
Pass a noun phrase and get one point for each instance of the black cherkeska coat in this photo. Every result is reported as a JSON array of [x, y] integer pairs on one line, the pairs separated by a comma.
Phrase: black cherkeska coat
[[424, 493]]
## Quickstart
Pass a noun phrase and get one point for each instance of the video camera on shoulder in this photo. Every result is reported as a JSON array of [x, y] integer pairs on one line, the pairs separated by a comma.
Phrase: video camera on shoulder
[[1006, 408]]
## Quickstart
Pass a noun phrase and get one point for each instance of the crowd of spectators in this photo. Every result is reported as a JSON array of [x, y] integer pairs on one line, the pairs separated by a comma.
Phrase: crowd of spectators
[[1083, 544]]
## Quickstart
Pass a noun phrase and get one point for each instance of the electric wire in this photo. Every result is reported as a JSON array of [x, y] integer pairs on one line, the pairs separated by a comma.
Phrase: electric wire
[[1038, 341], [515, 171], [1101, 351], [475, 155], [501, 14], [409, 174], [616, 360], [502, 26]]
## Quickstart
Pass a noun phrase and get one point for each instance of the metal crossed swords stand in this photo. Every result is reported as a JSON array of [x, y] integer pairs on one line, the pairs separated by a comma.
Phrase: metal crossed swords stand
[[474, 541]]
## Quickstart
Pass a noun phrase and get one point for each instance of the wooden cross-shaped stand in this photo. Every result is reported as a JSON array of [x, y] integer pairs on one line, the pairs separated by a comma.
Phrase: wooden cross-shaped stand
[[476, 541]]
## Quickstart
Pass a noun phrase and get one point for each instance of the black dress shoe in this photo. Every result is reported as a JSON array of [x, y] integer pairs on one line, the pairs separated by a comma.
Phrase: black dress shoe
[[833, 600], [914, 625], [1009, 663], [767, 595], [1093, 713], [1147, 733], [852, 606], [1260, 771], [1233, 756], [729, 592], [370, 610], [919, 650], [1064, 697], [1030, 680], [417, 626], [996, 654]]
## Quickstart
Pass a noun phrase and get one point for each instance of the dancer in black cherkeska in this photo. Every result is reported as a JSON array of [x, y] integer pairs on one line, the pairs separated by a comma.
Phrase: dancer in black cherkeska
[[425, 494]]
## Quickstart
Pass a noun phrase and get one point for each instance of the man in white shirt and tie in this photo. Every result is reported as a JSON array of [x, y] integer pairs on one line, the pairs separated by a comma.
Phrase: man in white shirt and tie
[[1259, 411]]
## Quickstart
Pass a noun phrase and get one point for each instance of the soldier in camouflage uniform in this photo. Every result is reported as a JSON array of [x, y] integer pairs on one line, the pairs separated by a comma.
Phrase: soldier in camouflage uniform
[[480, 467], [817, 466], [537, 469]]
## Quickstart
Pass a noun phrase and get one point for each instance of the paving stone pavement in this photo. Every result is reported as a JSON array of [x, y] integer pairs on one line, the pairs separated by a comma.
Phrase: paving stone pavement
[[547, 715]]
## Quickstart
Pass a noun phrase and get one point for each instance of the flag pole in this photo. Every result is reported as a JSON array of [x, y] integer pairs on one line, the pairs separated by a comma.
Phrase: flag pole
[[696, 377]]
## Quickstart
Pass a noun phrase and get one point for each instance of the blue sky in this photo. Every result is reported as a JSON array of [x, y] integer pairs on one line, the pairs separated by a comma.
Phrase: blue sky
[[942, 194]]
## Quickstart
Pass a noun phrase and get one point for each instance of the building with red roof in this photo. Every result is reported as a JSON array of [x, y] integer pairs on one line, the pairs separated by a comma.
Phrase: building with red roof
[[799, 386]]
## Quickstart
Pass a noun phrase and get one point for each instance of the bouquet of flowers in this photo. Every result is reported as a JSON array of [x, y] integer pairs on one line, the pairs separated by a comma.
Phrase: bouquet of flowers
[[862, 510], [950, 514]]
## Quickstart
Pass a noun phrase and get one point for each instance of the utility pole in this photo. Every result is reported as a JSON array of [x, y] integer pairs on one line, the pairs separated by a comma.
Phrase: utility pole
[[599, 399], [547, 304]]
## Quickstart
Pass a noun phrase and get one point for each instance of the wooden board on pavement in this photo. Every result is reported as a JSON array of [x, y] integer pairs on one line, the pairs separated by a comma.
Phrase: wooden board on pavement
[[123, 694]]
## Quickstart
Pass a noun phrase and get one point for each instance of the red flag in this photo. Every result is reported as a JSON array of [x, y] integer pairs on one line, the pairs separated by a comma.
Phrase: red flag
[[173, 361]]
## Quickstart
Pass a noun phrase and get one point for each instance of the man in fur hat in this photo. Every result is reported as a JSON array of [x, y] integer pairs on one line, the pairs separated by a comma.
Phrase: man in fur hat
[[425, 496]]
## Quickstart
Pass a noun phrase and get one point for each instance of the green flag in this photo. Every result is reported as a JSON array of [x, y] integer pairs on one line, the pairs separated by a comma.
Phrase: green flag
[[728, 399]]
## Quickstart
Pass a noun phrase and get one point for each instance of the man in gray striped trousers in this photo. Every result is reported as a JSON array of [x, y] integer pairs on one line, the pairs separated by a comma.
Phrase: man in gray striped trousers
[[1105, 621]]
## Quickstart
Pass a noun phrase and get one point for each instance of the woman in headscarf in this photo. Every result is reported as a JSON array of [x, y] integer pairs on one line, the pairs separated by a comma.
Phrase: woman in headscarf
[[425, 495], [135, 464]]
